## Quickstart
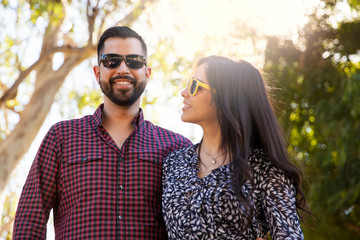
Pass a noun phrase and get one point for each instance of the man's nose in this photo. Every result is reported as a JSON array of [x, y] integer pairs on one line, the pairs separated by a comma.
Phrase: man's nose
[[123, 67]]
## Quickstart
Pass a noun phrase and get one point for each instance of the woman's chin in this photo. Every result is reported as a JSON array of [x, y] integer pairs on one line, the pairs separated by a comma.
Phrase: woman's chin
[[184, 118]]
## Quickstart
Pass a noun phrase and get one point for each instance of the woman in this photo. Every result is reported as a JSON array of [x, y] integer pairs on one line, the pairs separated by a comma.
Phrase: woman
[[237, 183]]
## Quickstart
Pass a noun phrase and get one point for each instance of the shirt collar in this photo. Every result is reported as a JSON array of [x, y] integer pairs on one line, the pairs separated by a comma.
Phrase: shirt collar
[[136, 122]]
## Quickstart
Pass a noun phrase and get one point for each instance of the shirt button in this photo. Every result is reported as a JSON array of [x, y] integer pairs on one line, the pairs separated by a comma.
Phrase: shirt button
[[120, 217], [120, 158], [121, 187]]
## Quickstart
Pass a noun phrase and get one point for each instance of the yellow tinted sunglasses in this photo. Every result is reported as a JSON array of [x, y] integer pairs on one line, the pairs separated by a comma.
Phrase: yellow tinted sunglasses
[[194, 84]]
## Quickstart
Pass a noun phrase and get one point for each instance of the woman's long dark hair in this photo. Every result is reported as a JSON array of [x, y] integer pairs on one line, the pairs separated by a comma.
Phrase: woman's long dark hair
[[247, 120]]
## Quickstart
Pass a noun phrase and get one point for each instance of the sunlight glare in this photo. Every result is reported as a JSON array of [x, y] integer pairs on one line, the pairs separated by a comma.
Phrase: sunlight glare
[[207, 17], [198, 25], [277, 17]]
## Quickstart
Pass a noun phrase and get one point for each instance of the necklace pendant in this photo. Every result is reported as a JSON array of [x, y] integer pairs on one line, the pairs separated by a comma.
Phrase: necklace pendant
[[213, 161]]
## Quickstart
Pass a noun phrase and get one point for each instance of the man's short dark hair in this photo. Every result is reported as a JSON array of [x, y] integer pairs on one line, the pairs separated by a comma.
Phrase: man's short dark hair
[[119, 32]]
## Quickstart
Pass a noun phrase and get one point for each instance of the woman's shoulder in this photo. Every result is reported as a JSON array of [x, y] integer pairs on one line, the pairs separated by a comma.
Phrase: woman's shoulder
[[182, 151], [180, 156], [261, 164], [259, 159], [179, 162], [263, 169]]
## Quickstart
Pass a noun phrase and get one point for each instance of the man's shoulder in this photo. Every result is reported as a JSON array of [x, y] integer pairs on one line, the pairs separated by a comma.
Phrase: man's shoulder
[[162, 131], [166, 137], [75, 122]]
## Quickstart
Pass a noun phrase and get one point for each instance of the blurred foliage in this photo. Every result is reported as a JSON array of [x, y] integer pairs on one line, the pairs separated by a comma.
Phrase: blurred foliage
[[174, 69], [89, 98], [319, 107], [51, 9], [8, 215]]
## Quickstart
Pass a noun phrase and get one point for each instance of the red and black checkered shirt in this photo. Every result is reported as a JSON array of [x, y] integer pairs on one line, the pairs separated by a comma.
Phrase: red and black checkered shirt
[[96, 190]]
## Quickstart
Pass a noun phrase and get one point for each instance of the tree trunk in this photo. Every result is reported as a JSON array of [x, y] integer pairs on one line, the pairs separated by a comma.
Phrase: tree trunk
[[48, 82], [13, 148]]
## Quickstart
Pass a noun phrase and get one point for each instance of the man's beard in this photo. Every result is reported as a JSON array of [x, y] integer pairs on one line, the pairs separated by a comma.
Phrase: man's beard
[[120, 98]]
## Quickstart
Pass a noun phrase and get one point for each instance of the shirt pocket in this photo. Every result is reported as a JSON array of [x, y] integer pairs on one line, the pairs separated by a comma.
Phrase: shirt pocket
[[151, 157], [84, 158], [82, 173], [148, 176]]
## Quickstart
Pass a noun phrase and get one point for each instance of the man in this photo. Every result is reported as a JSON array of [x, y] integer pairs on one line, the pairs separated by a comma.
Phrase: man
[[101, 174]]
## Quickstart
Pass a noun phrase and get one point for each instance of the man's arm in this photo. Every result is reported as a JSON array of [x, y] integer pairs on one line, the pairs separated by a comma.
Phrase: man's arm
[[39, 192]]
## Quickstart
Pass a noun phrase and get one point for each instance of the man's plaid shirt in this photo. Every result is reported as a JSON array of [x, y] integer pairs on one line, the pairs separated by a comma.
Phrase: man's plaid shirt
[[96, 190]]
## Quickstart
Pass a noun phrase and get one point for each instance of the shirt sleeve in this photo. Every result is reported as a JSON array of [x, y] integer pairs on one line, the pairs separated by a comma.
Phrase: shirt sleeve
[[278, 200], [39, 192]]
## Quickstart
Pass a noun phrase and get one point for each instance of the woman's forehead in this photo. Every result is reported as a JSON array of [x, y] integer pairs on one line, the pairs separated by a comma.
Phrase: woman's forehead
[[200, 73]]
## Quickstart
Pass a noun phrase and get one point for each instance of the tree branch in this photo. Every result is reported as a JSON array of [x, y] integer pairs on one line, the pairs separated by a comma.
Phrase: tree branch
[[23, 74], [12, 90], [132, 16], [91, 14], [106, 13]]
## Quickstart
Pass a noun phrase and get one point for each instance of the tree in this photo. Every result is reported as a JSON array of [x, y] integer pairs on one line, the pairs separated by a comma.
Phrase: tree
[[52, 15], [320, 78]]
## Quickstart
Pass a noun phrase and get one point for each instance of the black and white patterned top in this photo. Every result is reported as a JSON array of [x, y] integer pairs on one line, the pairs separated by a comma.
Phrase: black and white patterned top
[[207, 208]]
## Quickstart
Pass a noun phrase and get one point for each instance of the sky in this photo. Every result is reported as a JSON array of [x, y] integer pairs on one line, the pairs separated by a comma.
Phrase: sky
[[193, 24]]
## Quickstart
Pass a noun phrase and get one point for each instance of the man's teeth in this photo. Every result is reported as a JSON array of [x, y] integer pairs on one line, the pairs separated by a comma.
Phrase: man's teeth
[[188, 106], [122, 82]]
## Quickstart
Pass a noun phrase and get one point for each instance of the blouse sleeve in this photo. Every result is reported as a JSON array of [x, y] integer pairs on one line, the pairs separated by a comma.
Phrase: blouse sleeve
[[166, 167], [278, 200]]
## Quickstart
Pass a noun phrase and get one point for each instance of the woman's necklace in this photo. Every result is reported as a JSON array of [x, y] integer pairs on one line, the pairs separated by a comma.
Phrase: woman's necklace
[[213, 159]]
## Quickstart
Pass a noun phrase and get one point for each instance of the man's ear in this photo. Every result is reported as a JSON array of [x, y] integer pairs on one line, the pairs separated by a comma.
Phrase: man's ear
[[97, 73], [148, 74]]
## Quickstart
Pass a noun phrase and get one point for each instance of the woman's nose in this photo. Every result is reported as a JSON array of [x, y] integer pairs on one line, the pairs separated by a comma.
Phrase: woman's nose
[[184, 92]]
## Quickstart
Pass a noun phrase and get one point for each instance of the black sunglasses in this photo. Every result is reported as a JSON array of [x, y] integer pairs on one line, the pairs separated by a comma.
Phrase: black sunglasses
[[112, 60]]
